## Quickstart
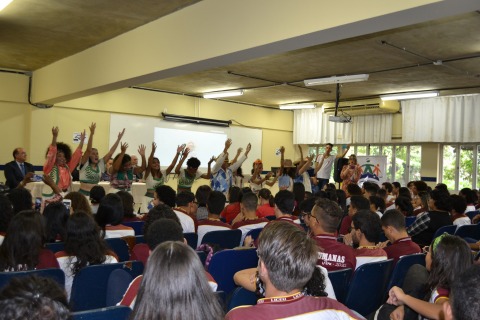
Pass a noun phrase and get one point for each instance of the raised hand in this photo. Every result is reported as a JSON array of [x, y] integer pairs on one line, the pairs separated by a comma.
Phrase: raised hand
[[123, 147], [92, 128], [55, 131], [154, 147], [186, 152], [120, 134], [211, 160], [141, 150], [228, 143], [282, 149], [82, 136], [239, 150], [249, 147], [180, 148]]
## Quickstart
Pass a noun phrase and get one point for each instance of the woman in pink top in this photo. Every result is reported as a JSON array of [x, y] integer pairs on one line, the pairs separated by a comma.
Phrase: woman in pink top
[[60, 162]]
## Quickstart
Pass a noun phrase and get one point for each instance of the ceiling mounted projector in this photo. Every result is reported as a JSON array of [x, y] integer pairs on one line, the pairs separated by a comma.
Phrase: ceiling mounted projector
[[340, 119]]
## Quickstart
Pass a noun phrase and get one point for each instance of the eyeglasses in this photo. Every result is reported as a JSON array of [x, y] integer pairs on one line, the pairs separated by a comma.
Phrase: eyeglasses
[[306, 214], [426, 249]]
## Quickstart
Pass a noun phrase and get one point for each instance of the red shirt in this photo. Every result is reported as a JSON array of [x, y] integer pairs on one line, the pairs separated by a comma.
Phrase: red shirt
[[401, 247], [231, 211], [334, 255], [265, 211]]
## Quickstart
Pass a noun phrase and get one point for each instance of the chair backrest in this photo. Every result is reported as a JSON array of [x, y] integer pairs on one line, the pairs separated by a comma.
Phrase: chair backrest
[[401, 268], [226, 239], [340, 280], [368, 285], [137, 226], [120, 247], [254, 233], [55, 274], [192, 239], [450, 229], [226, 263], [112, 313], [410, 220], [89, 288], [202, 255], [242, 297], [55, 246], [472, 214], [468, 231], [139, 239], [117, 285]]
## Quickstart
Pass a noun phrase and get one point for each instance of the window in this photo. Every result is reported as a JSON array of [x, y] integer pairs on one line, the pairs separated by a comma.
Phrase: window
[[460, 165], [415, 163]]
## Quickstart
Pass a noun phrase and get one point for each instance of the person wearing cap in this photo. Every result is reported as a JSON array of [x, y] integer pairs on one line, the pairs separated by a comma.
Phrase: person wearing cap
[[256, 181], [222, 173]]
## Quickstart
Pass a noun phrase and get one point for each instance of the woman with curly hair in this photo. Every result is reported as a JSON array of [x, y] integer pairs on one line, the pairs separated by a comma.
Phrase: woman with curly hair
[[83, 247], [61, 163], [23, 246]]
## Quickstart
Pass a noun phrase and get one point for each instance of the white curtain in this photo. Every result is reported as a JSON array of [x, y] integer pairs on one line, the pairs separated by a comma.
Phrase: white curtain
[[442, 119], [311, 126], [372, 128]]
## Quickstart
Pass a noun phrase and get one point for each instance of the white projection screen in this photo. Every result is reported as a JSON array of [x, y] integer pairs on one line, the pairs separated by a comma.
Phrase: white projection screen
[[205, 141]]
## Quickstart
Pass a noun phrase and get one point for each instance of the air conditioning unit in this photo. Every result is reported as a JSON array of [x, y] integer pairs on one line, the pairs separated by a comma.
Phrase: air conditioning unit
[[363, 107]]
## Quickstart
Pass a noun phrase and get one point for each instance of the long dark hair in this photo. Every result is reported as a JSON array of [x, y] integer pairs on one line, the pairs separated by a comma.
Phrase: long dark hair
[[110, 211], [6, 212], [174, 286], [267, 195], [451, 256], [55, 216], [84, 242], [25, 238]]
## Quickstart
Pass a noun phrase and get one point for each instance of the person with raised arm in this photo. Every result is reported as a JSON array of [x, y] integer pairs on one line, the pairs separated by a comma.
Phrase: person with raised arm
[[60, 163], [122, 172], [323, 168], [91, 166], [222, 172], [256, 181], [187, 177], [154, 176], [302, 166]]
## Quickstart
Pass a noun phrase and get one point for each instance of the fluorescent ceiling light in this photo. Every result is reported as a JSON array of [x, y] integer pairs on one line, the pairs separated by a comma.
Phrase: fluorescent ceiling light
[[4, 3], [222, 94], [335, 79], [294, 106], [410, 95]]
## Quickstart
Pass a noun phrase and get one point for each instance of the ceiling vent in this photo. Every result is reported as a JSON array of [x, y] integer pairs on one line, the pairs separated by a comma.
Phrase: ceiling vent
[[364, 107]]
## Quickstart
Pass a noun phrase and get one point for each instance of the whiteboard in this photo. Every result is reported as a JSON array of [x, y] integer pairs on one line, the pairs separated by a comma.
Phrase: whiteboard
[[208, 140]]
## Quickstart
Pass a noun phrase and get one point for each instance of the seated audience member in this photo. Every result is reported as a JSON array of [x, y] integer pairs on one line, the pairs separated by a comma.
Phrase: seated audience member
[[79, 202], [160, 231], [56, 217], [426, 224], [141, 251], [185, 201], [404, 205], [33, 298], [299, 194], [377, 205], [459, 206], [353, 190], [215, 204], [96, 195], [405, 192], [83, 247], [390, 198], [284, 205], [306, 208], [166, 195], [247, 219], [23, 245], [21, 199], [6, 215], [447, 258], [60, 163], [233, 208], [109, 217], [266, 206], [469, 196], [393, 225], [186, 177], [463, 303], [396, 188], [323, 222], [442, 187], [282, 244], [341, 199], [357, 203], [420, 202], [128, 207], [365, 234], [174, 286], [370, 189], [201, 195], [16, 170], [419, 186]]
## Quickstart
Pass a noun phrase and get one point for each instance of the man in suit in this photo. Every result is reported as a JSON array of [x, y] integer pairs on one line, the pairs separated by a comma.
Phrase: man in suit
[[15, 170]]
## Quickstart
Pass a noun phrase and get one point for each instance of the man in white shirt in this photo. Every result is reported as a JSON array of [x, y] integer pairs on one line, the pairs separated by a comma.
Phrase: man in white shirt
[[323, 168]]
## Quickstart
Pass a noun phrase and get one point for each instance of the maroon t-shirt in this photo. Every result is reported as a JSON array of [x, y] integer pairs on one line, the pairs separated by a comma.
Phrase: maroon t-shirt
[[334, 255], [401, 247]]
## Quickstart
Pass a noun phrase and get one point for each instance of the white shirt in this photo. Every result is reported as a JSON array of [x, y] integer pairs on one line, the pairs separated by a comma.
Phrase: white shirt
[[326, 169], [187, 223]]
